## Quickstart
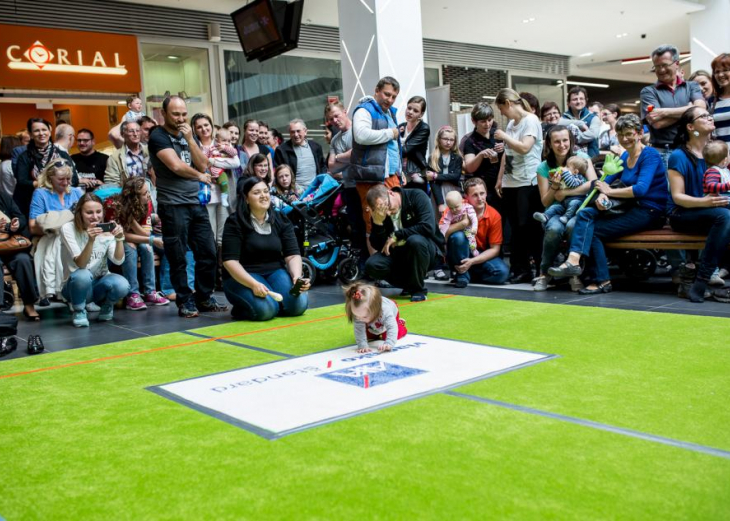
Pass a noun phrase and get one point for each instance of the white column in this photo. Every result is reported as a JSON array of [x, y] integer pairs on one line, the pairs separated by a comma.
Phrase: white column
[[709, 33], [381, 38]]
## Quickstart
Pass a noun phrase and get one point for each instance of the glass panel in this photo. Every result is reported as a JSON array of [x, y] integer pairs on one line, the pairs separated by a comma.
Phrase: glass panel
[[545, 89], [431, 77], [170, 69], [281, 89]]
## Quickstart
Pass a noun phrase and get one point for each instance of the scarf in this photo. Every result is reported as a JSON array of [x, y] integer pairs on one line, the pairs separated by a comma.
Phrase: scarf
[[40, 158]]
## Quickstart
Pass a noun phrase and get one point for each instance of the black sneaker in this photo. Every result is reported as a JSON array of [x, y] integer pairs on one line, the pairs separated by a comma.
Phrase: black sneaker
[[211, 305], [188, 309], [8, 344], [35, 345]]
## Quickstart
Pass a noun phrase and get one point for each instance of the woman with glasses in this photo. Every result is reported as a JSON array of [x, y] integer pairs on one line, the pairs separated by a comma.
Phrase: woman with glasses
[[40, 152], [689, 210], [54, 193], [643, 193], [721, 102]]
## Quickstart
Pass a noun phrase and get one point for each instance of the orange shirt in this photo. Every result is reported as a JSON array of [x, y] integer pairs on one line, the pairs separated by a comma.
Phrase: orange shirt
[[489, 230]]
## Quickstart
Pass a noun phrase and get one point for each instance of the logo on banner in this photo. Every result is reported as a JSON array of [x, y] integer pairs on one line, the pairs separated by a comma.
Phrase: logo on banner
[[371, 374], [38, 57]]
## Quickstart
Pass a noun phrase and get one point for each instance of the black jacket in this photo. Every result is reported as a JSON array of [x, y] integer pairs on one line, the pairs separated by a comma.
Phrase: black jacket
[[285, 155], [24, 174], [453, 173], [415, 148], [9, 208], [417, 218]]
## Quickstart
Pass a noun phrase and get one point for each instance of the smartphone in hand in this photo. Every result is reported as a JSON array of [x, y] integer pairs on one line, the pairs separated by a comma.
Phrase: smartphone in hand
[[106, 227], [296, 289]]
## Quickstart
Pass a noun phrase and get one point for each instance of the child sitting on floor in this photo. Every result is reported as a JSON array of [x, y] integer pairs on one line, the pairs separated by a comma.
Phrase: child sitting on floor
[[375, 317], [717, 176], [458, 210], [572, 176], [221, 157]]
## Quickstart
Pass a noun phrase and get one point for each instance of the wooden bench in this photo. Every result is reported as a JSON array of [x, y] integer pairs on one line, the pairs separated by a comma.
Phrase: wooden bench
[[662, 239]]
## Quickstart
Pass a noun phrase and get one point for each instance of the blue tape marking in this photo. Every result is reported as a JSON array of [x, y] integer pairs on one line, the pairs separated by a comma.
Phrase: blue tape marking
[[600, 426]]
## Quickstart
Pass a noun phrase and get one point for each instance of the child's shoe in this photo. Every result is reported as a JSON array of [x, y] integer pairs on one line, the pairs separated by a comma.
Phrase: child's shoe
[[224, 200], [156, 298], [80, 319], [134, 302], [107, 312], [539, 216]]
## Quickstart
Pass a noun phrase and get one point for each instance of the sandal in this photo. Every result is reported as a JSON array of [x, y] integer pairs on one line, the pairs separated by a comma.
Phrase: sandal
[[606, 287]]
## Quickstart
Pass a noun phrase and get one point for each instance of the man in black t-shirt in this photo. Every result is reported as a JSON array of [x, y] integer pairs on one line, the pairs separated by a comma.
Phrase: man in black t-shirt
[[180, 167], [90, 163]]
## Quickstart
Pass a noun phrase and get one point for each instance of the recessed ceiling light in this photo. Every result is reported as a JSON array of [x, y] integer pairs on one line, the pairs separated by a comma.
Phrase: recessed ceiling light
[[585, 55], [171, 57], [584, 84]]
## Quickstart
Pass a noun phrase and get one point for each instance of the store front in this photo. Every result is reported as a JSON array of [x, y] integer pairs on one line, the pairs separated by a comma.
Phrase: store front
[[81, 78]]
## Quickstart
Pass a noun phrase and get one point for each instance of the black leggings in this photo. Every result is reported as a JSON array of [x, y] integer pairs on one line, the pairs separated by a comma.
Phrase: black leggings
[[519, 204]]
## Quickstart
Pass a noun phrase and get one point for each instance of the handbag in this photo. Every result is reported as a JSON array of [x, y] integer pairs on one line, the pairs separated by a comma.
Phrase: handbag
[[616, 206], [11, 243]]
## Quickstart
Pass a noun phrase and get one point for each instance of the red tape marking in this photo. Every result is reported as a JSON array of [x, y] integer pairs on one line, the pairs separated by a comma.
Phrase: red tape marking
[[194, 342], [367, 381]]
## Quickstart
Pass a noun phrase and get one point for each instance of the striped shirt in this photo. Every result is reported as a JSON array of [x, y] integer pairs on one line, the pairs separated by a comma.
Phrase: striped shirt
[[716, 180], [721, 112]]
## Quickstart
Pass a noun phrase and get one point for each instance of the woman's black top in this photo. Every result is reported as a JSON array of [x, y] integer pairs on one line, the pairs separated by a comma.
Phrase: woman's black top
[[259, 253], [415, 148]]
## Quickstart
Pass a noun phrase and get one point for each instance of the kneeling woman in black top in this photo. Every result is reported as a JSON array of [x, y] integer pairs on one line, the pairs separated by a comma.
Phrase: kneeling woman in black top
[[261, 255]]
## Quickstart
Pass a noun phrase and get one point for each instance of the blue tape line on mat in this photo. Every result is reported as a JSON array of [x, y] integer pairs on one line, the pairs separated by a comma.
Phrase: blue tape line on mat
[[600, 426], [238, 344]]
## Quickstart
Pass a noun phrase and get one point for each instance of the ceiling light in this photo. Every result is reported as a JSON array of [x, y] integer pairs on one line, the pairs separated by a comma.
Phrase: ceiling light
[[585, 55], [489, 97], [528, 20], [584, 84], [121, 102], [172, 57]]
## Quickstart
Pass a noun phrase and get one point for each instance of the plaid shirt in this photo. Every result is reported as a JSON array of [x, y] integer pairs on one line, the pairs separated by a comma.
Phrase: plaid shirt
[[136, 164]]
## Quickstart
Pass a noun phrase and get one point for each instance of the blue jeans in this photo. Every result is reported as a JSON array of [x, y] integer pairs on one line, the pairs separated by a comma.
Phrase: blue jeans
[[715, 222], [566, 208], [554, 233], [593, 227], [81, 287], [493, 271], [129, 268], [165, 283], [248, 306]]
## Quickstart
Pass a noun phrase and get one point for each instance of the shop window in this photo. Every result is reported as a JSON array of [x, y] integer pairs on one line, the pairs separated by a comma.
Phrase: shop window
[[281, 89], [176, 70]]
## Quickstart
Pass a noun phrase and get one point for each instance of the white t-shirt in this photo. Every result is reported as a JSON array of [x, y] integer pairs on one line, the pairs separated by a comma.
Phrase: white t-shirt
[[74, 241], [521, 169]]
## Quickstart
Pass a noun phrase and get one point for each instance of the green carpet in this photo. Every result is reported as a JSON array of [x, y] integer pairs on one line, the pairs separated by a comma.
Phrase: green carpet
[[89, 441]]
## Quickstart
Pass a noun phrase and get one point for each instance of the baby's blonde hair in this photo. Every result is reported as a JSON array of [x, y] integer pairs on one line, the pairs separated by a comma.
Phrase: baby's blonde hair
[[453, 198], [222, 134], [579, 163], [359, 295]]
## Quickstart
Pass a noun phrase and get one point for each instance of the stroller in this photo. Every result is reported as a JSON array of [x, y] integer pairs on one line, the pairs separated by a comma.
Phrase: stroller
[[326, 250]]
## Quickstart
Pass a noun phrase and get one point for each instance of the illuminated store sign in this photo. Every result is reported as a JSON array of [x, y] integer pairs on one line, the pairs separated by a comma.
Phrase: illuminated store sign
[[52, 59]]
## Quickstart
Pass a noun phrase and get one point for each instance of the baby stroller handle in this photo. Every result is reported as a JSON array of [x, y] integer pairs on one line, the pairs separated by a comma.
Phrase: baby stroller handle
[[329, 263]]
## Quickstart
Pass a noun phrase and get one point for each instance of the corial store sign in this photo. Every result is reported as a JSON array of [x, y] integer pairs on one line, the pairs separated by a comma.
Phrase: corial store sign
[[51, 59]]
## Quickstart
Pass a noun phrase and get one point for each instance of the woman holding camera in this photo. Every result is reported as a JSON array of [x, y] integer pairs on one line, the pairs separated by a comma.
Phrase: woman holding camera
[[86, 247], [261, 258]]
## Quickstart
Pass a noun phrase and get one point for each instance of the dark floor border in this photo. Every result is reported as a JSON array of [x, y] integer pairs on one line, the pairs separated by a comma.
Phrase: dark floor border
[[239, 344], [597, 425], [254, 429]]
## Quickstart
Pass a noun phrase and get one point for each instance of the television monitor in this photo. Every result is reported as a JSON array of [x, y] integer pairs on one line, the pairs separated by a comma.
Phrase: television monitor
[[257, 27], [288, 21]]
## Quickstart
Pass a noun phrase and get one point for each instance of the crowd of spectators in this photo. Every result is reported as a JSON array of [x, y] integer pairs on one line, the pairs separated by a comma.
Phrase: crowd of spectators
[[205, 199]]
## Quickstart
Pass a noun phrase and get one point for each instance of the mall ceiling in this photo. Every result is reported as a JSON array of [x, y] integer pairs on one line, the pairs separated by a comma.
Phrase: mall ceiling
[[595, 33]]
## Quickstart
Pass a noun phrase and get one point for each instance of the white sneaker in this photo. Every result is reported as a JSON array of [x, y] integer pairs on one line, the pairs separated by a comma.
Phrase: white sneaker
[[541, 283], [716, 279]]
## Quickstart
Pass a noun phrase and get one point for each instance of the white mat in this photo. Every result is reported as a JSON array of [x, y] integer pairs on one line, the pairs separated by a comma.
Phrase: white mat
[[290, 395]]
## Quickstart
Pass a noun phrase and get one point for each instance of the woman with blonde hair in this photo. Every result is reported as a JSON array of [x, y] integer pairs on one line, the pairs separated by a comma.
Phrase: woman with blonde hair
[[54, 194], [517, 181]]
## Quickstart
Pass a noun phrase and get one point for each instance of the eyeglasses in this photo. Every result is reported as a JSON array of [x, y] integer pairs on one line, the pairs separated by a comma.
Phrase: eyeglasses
[[706, 116], [662, 66]]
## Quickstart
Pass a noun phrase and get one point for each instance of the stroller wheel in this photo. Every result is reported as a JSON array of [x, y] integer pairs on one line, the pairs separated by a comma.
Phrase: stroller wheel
[[348, 270], [308, 270]]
